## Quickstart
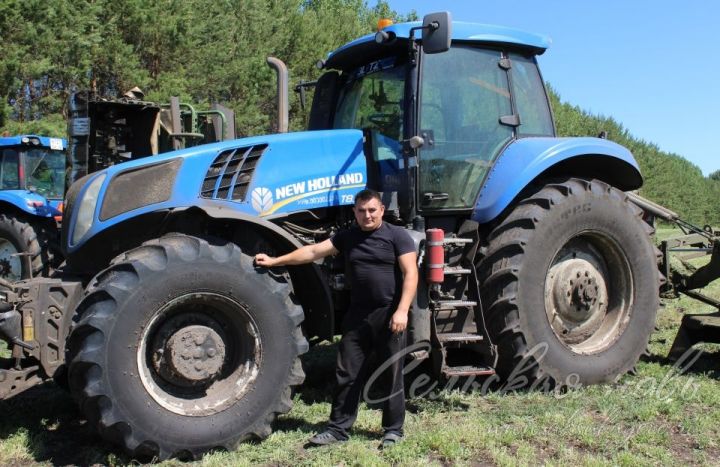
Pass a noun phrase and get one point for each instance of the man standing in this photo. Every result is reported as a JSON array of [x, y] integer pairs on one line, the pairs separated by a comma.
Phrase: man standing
[[383, 277]]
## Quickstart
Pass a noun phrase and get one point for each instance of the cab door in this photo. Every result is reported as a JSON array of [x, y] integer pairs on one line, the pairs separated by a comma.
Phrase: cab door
[[466, 119], [372, 99]]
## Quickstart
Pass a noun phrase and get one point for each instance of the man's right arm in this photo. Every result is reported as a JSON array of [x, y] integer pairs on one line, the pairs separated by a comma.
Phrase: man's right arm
[[303, 255]]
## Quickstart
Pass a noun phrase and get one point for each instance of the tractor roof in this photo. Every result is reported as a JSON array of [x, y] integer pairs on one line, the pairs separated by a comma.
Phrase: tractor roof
[[44, 141], [365, 47]]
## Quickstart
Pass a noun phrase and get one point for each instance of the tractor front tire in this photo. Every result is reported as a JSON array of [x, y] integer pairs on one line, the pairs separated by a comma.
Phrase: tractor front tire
[[183, 347], [569, 281]]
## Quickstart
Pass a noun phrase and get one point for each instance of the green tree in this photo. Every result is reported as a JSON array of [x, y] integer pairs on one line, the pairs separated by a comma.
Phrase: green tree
[[669, 179], [207, 52], [51, 49]]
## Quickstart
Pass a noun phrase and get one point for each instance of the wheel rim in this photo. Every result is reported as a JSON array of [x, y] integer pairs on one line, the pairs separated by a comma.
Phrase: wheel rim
[[10, 263], [588, 293], [200, 354]]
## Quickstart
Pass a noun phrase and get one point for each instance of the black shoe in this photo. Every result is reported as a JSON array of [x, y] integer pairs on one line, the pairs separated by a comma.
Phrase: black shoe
[[324, 438], [390, 439]]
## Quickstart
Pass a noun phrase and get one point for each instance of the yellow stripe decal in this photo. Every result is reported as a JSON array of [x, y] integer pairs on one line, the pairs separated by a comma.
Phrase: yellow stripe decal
[[285, 202]]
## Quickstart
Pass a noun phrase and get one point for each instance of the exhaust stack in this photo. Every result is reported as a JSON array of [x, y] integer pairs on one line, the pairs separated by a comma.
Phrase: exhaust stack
[[282, 92]]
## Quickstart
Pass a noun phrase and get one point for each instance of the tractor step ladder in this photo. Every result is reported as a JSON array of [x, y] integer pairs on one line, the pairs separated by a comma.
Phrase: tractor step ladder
[[456, 241], [454, 304], [452, 337], [459, 326], [457, 341], [468, 370], [456, 270]]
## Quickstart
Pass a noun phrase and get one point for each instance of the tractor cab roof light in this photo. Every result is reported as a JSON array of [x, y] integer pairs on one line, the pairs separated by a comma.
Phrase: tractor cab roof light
[[30, 140], [384, 37], [383, 23]]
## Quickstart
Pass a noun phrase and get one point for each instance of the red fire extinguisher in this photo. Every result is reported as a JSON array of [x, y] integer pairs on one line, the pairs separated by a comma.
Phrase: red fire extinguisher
[[435, 254]]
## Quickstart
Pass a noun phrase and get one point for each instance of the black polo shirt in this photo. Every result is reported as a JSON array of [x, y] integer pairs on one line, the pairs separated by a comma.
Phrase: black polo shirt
[[375, 277]]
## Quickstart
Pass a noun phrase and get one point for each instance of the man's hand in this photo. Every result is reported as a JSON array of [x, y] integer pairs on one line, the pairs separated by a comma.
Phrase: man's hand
[[261, 259], [398, 322]]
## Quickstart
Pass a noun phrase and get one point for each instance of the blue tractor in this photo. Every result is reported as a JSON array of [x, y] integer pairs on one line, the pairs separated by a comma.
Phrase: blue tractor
[[32, 186], [173, 343]]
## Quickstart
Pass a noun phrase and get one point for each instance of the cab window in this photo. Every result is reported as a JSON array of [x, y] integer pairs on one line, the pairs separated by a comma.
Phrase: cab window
[[464, 94], [372, 99], [9, 177], [45, 172], [530, 98]]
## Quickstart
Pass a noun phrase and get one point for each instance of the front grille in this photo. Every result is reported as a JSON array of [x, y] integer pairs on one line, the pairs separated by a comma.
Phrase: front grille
[[231, 172]]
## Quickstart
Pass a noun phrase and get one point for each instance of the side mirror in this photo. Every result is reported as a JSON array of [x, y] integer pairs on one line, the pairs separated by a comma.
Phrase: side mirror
[[437, 32]]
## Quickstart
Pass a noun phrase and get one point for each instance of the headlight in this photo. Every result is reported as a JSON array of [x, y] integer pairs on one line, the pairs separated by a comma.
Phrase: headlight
[[86, 210]]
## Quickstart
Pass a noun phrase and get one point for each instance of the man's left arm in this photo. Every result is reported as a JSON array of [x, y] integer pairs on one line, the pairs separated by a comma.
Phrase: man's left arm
[[409, 269]]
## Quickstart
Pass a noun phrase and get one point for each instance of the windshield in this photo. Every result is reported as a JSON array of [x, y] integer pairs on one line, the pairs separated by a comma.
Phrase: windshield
[[372, 99], [45, 172]]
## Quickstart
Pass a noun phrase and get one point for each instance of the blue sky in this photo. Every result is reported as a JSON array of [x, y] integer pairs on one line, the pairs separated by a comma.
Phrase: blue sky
[[654, 66]]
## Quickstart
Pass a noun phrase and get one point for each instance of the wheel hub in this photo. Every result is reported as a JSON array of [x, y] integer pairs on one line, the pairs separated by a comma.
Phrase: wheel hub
[[576, 294], [585, 292], [199, 354], [189, 350], [196, 353]]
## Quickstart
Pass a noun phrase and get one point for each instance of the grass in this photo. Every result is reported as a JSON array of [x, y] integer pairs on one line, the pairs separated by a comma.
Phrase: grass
[[654, 417]]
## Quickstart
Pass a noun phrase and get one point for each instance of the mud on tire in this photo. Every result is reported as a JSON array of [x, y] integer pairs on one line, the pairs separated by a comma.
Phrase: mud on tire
[[570, 284], [183, 347]]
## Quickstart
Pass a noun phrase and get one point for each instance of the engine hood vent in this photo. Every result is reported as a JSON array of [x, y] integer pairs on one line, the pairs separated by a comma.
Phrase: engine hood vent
[[231, 172]]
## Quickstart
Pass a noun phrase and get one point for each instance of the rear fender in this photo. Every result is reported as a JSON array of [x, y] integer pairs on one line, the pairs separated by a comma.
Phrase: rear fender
[[529, 159]]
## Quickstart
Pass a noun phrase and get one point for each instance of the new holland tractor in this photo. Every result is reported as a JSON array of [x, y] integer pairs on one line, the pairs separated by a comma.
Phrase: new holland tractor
[[535, 260], [32, 186]]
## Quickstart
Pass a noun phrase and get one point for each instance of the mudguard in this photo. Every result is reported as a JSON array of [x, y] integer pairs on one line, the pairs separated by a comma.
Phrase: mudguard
[[526, 159], [30, 202]]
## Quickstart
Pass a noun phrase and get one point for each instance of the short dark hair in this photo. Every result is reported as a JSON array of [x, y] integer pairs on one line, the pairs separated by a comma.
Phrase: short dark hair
[[366, 195]]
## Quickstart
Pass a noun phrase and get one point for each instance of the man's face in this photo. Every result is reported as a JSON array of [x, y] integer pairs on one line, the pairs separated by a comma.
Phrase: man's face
[[369, 214]]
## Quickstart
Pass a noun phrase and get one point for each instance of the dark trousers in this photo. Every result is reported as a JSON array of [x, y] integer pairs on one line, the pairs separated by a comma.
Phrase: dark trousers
[[354, 367]]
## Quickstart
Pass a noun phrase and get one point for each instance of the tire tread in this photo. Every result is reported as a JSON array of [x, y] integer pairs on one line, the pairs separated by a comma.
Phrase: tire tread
[[110, 287], [498, 268]]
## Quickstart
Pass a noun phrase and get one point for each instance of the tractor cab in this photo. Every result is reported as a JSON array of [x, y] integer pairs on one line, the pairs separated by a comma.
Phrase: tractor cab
[[35, 164], [32, 185], [436, 110]]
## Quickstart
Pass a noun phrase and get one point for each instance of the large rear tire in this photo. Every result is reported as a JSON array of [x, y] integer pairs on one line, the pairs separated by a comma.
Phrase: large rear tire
[[183, 347], [570, 284]]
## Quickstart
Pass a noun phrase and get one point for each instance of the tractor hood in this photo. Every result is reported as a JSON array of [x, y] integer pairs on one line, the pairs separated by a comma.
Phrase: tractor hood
[[295, 172], [267, 176]]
